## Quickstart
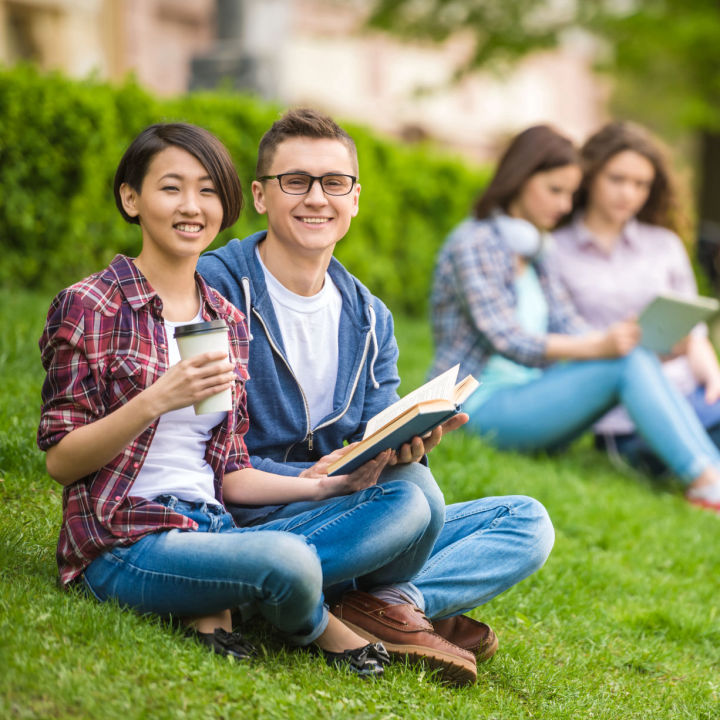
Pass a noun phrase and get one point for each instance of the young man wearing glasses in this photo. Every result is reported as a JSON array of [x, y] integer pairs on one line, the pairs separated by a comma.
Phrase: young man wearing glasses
[[323, 360]]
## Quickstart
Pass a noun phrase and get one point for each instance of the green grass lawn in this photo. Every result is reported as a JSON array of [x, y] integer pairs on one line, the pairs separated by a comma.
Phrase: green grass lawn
[[622, 622]]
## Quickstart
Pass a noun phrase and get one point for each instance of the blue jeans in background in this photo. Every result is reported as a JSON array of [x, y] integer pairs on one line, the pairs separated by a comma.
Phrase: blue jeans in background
[[633, 448], [217, 567], [550, 412]]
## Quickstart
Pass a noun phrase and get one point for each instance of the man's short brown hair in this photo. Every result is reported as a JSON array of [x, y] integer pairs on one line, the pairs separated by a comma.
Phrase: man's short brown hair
[[301, 123]]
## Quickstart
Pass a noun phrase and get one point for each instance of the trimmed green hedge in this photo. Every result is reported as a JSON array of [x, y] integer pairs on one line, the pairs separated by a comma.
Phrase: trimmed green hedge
[[60, 141]]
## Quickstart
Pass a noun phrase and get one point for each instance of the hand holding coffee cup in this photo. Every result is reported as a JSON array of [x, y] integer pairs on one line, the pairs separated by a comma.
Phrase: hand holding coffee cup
[[203, 337]]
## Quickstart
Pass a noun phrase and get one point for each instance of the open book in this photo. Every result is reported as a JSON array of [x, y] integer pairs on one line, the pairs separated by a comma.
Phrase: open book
[[669, 318], [417, 413]]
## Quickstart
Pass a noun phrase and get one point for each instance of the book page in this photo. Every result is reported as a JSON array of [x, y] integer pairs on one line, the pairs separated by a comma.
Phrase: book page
[[465, 388], [441, 387]]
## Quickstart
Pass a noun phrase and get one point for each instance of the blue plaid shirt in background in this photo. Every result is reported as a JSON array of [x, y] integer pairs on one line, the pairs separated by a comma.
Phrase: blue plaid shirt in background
[[473, 303], [104, 342]]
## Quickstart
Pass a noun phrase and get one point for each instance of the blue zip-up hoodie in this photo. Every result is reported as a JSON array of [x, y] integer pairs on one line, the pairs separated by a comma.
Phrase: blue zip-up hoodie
[[280, 438]]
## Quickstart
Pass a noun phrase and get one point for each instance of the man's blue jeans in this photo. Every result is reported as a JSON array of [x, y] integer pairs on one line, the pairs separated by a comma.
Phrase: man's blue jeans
[[375, 543], [476, 549], [468, 553], [485, 547], [550, 412]]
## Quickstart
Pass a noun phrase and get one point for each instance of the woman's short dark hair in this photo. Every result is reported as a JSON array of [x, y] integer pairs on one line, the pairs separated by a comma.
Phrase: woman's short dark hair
[[661, 206], [537, 149], [201, 144]]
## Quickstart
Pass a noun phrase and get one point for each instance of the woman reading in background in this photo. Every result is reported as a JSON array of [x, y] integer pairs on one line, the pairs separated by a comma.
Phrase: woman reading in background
[[618, 252], [504, 318]]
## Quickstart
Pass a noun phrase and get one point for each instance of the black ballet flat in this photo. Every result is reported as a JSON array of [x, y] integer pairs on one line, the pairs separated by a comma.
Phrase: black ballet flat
[[366, 662], [222, 642]]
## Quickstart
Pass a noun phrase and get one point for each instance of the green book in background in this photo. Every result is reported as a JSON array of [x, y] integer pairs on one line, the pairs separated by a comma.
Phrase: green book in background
[[416, 414], [669, 318]]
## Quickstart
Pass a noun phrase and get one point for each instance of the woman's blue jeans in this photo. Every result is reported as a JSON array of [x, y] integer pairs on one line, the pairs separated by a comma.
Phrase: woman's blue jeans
[[219, 566], [568, 398], [277, 567], [633, 448]]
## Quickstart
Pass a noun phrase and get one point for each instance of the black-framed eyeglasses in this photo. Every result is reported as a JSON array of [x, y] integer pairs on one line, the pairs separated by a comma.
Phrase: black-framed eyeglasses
[[299, 183]]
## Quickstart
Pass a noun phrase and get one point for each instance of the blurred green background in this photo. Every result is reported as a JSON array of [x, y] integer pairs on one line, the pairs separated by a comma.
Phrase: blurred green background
[[62, 139]]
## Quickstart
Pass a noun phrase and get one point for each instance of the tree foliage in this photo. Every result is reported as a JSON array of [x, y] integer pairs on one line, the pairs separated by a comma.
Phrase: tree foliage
[[665, 53]]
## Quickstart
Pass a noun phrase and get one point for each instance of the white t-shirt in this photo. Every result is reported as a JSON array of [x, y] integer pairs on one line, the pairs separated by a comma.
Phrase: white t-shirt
[[309, 327], [175, 463]]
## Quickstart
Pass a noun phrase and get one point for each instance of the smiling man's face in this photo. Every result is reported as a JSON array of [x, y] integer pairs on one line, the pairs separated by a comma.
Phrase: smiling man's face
[[314, 222]]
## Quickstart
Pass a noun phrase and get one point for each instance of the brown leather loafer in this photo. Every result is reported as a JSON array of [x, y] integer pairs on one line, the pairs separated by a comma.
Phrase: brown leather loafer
[[463, 631], [405, 632]]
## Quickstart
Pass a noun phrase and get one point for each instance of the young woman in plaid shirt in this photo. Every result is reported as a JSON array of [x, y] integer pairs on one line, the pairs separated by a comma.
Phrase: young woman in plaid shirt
[[144, 477]]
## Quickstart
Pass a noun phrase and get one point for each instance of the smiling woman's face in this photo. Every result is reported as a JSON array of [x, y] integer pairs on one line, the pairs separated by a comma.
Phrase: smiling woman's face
[[546, 196], [178, 206]]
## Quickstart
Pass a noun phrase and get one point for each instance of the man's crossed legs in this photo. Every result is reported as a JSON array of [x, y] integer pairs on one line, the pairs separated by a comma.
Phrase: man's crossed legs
[[469, 553]]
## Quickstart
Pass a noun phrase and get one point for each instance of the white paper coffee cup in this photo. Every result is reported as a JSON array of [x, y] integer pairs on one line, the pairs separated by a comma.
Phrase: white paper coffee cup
[[203, 337]]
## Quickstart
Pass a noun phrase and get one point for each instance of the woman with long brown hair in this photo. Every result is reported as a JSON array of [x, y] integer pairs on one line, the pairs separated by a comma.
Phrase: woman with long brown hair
[[502, 316], [619, 251]]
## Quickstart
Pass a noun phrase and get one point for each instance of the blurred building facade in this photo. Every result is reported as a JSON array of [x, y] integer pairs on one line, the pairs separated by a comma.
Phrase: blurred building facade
[[306, 52], [154, 39]]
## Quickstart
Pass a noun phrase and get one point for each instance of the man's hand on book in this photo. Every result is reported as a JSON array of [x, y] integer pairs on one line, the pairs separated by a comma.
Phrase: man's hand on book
[[364, 477], [414, 450]]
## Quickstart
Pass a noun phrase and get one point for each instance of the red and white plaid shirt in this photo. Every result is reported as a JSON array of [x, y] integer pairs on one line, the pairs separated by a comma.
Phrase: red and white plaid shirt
[[104, 342]]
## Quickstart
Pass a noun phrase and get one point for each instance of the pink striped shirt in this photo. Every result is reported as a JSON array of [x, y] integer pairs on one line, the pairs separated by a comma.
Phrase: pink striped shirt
[[606, 287]]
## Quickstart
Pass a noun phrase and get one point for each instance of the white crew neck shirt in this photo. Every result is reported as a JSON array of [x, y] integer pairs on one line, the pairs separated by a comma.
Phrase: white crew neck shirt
[[175, 463], [310, 327]]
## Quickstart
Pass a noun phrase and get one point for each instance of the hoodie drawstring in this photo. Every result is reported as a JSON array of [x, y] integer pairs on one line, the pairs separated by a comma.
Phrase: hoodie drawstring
[[376, 349], [245, 282]]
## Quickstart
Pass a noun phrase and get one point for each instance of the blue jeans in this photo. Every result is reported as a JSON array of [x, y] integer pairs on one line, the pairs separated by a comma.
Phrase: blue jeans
[[550, 412], [485, 547], [219, 566], [468, 553], [635, 450], [378, 536], [477, 549]]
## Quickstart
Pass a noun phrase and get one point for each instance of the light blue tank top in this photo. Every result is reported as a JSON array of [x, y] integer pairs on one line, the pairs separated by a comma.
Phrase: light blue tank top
[[531, 313]]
